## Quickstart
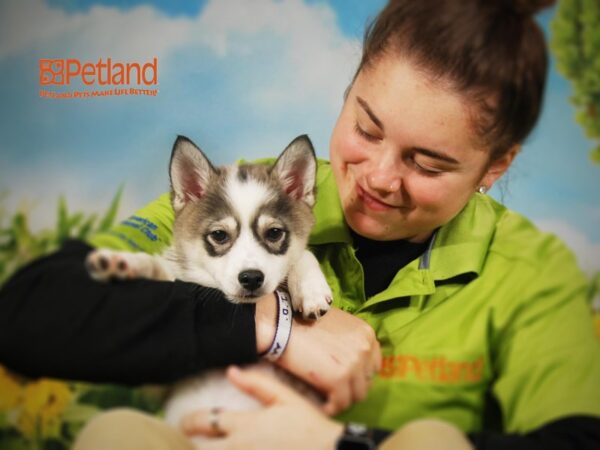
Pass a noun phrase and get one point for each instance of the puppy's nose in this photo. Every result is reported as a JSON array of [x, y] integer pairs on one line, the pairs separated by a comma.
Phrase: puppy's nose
[[251, 279]]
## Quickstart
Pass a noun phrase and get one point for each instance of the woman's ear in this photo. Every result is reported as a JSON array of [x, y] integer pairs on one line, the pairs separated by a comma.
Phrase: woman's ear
[[497, 168]]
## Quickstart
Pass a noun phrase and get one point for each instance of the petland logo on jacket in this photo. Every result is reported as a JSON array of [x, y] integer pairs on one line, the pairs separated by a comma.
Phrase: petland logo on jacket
[[115, 78]]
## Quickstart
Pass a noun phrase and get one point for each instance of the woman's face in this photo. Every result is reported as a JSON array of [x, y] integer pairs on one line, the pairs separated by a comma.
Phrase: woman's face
[[404, 154]]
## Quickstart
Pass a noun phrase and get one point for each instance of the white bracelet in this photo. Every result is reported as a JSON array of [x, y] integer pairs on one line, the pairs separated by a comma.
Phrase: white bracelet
[[283, 328]]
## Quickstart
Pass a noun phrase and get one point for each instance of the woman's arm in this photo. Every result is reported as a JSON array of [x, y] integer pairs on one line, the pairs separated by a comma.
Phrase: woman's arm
[[547, 361], [56, 321], [288, 420]]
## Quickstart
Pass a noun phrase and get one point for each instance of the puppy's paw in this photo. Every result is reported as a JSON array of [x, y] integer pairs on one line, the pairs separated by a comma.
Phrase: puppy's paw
[[311, 297], [103, 265]]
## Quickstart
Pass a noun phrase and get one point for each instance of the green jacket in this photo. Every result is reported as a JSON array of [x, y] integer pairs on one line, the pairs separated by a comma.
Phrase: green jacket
[[493, 313]]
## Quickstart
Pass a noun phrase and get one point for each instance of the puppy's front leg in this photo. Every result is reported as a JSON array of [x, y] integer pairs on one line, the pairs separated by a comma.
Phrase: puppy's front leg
[[104, 264], [311, 295]]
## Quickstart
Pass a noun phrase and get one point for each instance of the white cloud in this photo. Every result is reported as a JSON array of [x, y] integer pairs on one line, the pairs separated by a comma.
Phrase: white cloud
[[305, 69], [316, 58], [587, 252], [141, 32]]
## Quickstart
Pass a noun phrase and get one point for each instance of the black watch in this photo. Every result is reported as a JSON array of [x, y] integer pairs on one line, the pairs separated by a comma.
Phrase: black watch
[[356, 437]]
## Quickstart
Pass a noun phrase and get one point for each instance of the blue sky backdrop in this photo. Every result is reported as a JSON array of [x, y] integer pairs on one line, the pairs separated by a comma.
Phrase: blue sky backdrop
[[241, 78]]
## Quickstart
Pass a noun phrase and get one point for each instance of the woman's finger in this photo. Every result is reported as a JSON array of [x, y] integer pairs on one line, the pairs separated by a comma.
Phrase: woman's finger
[[339, 399], [213, 422], [267, 389], [360, 385], [377, 358]]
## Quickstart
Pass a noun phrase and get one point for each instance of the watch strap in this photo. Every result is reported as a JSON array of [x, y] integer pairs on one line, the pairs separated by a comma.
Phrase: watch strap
[[356, 436]]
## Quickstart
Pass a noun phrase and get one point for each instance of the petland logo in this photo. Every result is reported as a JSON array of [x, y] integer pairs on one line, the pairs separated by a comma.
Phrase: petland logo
[[116, 78]]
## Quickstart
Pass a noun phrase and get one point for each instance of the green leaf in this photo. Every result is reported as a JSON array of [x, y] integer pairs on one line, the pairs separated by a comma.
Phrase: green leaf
[[87, 226], [575, 42], [14, 443], [75, 220], [62, 225], [80, 413], [149, 398], [107, 396], [19, 245], [109, 218], [55, 444], [595, 155]]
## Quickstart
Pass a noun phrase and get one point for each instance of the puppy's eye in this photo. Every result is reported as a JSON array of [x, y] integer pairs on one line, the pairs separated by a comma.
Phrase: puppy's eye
[[274, 234], [219, 236]]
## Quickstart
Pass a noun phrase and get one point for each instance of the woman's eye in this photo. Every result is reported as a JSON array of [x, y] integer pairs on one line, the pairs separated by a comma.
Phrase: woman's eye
[[274, 234], [219, 236], [426, 169], [364, 134]]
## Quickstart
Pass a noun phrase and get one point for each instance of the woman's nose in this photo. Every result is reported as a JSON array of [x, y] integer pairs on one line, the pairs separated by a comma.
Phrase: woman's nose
[[384, 181]]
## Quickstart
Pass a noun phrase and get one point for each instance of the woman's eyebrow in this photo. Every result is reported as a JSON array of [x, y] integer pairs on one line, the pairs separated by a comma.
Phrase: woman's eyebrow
[[371, 114], [438, 155]]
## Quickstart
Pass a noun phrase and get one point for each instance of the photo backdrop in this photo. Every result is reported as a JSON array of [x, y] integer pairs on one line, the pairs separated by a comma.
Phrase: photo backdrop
[[239, 77]]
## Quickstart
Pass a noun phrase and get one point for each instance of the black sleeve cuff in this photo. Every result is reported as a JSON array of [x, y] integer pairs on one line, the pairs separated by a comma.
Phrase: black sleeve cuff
[[569, 433]]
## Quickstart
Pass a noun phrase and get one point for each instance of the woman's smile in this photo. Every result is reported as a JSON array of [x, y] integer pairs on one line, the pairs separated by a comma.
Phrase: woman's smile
[[372, 202]]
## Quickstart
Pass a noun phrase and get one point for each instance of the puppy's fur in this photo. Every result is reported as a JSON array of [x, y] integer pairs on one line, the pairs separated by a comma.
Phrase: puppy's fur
[[241, 229]]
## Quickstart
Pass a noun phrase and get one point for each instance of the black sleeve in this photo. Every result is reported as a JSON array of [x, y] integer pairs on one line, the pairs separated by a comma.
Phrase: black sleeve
[[570, 433], [56, 321]]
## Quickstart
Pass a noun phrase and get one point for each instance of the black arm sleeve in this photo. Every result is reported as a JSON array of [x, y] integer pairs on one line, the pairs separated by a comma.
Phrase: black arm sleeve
[[570, 433], [56, 321]]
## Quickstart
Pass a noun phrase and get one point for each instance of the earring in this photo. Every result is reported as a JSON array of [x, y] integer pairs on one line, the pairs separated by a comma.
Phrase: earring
[[482, 189]]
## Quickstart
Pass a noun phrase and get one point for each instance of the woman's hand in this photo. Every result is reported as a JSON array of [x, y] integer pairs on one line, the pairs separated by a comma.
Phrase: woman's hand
[[287, 420], [337, 354]]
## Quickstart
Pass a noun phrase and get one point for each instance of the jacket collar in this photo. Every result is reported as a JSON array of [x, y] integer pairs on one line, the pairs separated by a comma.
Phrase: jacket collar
[[457, 248], [331, 226], [461, 246]]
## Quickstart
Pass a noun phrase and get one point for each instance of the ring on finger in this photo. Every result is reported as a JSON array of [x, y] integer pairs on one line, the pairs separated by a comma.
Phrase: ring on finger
[[213, 420]]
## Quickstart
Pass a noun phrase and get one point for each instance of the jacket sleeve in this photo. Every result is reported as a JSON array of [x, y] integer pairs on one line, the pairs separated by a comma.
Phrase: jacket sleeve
[[56, 321], [569, 433], [547, 357]]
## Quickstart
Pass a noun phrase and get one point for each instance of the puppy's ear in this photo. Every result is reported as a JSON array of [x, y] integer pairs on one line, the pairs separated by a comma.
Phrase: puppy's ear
[[190, 172], [296, 169]]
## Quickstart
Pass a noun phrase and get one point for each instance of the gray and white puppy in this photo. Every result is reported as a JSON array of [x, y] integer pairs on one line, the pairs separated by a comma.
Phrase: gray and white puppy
[[242, 229]]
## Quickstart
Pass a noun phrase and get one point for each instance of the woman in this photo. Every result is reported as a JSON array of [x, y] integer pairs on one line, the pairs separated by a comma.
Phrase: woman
[[481, 318]]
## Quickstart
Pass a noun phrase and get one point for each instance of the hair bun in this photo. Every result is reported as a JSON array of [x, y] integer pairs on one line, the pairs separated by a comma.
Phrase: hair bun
[[529, 7]]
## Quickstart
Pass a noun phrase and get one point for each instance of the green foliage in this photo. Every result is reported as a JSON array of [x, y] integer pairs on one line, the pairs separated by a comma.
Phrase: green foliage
[[19, 245], [576, 44], [147, 398]]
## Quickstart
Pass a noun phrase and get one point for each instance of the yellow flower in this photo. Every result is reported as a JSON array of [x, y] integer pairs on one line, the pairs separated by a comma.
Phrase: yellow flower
[[43, 405], [10, 391]]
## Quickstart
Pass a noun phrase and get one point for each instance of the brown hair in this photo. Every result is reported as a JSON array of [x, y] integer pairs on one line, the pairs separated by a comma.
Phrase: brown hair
[[491, 51]]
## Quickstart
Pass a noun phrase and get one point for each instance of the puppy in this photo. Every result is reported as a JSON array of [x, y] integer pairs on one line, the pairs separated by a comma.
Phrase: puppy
[[242, 229]]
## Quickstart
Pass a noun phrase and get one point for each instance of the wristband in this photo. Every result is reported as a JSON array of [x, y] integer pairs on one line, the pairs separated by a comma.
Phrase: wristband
[[356, 436], [283, 327]]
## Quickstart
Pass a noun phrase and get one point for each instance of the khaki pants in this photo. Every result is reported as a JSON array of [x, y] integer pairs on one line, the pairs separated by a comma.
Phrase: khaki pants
[[124, 429]]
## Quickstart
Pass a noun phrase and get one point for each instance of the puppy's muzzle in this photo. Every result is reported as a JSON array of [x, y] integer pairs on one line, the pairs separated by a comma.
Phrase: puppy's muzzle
[[251, 279]]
